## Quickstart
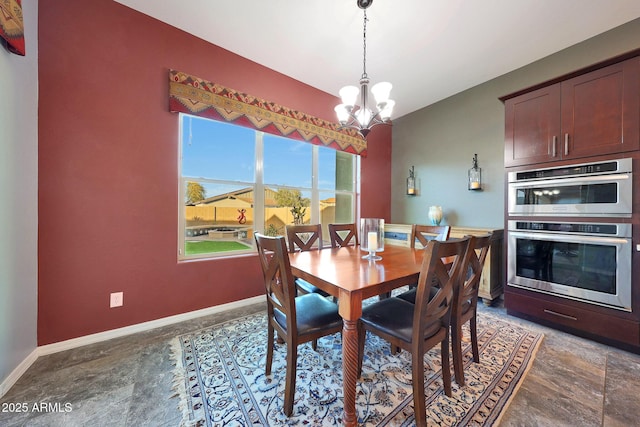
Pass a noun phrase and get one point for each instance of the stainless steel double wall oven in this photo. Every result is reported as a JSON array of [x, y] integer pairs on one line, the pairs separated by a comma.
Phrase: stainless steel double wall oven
[[567, 237]]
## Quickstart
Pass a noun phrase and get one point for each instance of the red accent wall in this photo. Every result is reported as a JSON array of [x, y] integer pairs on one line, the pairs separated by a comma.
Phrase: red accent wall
[[108, 186], [375, 175]]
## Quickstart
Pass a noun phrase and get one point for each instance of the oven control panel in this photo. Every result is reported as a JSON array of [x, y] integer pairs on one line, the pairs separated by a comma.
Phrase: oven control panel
[[583, 228]]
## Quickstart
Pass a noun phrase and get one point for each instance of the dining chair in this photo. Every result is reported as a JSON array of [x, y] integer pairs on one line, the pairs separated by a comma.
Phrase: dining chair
[[304, 237], [465, 302], [418, 327], [424, 233], [342, 235], [296, 319]]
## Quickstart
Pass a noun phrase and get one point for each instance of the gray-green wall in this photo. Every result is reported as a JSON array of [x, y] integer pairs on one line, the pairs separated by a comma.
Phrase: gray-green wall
[[440, 140], [19, 203]]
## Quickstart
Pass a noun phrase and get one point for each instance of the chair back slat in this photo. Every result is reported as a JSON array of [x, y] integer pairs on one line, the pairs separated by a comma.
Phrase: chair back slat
[[304, 237], [425, 233], [342, 235], [279, 283], [470, 283], [441, 269]]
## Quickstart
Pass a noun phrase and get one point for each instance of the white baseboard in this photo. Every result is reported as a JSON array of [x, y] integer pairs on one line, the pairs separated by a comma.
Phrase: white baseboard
[[15, 375], [141, 327], [8, 382]]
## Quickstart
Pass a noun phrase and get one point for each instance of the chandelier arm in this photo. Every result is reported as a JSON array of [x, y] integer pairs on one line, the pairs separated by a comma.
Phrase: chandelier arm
[[377, 120], [362, 131], [354, 123]]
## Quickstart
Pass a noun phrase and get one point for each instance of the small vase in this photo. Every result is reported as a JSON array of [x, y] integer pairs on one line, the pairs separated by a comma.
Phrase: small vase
[[435, 214]]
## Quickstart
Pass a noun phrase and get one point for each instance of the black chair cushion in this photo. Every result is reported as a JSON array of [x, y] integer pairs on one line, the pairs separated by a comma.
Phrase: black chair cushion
[[308, 288], [394, 316], [313, 313], [410, 296]]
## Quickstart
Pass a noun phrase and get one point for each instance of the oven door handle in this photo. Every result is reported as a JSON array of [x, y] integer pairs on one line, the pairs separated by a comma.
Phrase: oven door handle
[[570, 238], [572, 181]]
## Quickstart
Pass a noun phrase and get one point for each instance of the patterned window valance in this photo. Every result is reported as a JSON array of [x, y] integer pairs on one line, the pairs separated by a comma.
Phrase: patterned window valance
[[192, 95], [12, 25]]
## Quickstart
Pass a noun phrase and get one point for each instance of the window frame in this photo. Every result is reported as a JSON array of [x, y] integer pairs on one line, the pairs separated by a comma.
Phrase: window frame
[[258, 191]]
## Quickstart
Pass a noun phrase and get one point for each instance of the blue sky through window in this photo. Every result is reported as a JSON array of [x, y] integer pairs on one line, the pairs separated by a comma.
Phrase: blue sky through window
[[217, 150], [223, 151]]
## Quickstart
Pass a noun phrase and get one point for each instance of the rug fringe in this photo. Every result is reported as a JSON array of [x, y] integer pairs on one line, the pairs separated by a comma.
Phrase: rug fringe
[[179, 386]]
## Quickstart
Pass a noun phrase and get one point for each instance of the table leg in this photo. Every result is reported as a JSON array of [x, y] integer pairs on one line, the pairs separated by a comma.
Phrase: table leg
[[350, 370]]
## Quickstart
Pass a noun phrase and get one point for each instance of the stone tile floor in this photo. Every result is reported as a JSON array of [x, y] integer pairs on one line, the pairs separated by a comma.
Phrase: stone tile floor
[[128, 382]]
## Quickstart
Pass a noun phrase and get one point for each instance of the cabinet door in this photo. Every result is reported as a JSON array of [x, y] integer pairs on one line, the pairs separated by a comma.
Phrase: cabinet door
[[600, 111], [532, 127]]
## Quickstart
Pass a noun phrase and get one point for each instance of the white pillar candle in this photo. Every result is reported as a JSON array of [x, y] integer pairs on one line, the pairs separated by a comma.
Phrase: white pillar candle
[[372, 238]]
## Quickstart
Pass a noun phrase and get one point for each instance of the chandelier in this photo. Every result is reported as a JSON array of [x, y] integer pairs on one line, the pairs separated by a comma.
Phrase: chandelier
[[363, 118]]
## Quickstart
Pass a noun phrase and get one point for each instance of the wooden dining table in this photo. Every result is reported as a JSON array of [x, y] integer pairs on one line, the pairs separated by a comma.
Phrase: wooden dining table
[[343, 273]]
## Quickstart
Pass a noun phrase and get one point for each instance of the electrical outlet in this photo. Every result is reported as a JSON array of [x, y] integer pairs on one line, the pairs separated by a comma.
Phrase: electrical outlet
[[117, 299]]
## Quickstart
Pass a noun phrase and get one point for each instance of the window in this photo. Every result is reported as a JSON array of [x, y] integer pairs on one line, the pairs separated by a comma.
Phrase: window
[[235, 181]]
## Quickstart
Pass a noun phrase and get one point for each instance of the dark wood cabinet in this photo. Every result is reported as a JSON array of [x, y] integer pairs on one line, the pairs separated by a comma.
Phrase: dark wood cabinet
[[588, 115], [532, 126], [568, 316]]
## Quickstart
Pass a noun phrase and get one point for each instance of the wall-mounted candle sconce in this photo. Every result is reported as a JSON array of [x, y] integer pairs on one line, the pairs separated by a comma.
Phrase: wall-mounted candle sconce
[[475, 175], [411, 183]]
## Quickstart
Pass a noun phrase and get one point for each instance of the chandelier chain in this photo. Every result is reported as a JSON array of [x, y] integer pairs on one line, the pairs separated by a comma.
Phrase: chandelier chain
[[364, 46]]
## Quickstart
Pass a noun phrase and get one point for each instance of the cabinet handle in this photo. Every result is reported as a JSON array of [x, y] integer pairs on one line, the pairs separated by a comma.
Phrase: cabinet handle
[[566, 144], [553, 145], [560, 314]]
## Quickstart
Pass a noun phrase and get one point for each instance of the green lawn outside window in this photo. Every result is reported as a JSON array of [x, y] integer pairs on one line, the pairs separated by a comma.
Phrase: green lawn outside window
[[208, 246]]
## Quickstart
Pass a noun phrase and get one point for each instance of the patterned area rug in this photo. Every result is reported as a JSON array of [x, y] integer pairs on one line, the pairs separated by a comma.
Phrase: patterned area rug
[[221, 382]]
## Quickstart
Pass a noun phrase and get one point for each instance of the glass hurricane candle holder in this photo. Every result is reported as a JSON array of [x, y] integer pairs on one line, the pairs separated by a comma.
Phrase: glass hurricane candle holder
[[372, 237]]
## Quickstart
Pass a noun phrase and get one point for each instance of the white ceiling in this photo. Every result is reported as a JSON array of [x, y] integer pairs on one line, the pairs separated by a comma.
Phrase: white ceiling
[[428, 49]]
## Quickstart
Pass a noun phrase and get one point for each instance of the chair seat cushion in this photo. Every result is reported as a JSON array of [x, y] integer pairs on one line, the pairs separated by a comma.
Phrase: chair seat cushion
[[308, 288], [313, 314], [394, 316], [410, 296]]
